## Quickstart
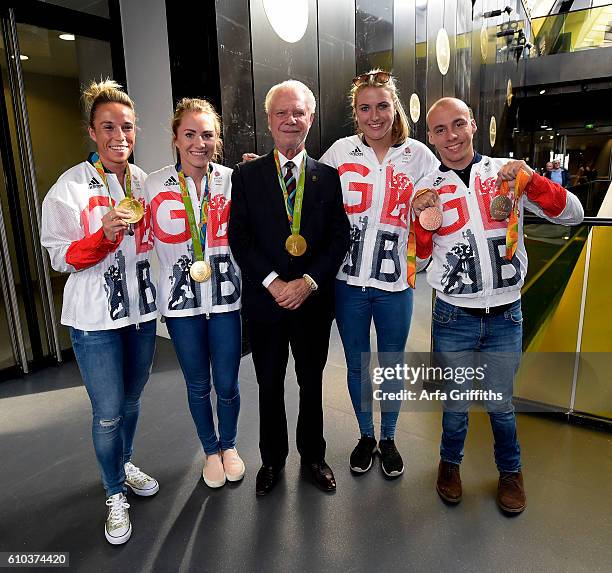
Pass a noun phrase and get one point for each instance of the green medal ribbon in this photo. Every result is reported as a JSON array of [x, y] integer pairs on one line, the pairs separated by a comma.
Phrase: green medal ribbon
[[299, 194], [198, 251], [97, 163]]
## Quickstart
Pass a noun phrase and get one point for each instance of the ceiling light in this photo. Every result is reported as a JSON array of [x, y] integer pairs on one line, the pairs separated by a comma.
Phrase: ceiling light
[[543, 126], [22, 57], [549, 129], [67, 37], [542, 92], [551, 137]]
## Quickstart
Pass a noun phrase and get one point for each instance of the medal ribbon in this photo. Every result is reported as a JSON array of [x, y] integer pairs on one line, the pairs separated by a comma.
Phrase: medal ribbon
[[411, 253], [520, 183], [97, 163], [411, 247], [294, 218], [198, 237]]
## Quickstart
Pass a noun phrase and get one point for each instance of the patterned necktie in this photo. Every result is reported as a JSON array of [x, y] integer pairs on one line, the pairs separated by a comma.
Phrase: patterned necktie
[[290, 185]]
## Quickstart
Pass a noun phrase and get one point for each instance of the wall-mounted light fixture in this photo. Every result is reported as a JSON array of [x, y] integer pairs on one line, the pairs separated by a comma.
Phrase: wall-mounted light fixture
[[495, 13], [288, 19]]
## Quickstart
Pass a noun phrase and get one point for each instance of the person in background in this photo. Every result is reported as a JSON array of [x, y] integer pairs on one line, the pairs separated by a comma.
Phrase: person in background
[[199, 285], [379, 167], [558, 174], [93, 228]]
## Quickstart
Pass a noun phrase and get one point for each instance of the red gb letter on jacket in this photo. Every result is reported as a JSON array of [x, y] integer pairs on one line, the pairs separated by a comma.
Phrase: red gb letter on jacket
[[218, 217]]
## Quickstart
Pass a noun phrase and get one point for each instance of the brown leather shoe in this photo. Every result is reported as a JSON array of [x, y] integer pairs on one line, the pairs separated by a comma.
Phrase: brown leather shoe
[[511, 492], [448, 485]]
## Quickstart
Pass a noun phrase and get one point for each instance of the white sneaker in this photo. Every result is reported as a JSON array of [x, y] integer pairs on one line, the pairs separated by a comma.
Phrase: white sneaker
[[213, 473], [233, 465], [139, 482], [118, 527]]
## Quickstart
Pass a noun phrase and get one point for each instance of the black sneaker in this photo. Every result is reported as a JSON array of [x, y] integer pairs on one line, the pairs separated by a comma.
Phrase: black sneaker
[[390, 459], [363, 454]]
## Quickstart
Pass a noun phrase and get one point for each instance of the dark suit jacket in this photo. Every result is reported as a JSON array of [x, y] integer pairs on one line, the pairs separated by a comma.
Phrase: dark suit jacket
[[258, 229]]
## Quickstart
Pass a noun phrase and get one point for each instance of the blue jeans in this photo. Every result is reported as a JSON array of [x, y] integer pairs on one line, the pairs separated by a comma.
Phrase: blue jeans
[[115, 366], [466, 340], [391, 311], [200, 342]]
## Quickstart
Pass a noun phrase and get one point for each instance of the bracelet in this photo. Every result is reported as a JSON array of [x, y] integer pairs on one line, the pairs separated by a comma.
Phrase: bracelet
[[422, 192]]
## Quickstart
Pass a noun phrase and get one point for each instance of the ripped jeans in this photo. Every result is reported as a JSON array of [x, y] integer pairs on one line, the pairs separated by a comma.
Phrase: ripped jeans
[[115, 366], [203, 342]]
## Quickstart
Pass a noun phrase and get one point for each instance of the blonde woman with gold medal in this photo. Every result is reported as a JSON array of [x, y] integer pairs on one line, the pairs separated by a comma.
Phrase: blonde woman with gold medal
[[199, 282], [94, 228]]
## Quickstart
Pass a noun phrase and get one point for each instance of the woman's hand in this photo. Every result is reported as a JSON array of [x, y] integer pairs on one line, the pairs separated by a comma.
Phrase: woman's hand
[[114, 222]]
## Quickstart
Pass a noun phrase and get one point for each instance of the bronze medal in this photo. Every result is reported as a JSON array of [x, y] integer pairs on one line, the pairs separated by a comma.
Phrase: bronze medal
[[501, 207], [135, 208], [431, 219], [200, 271], [295, 245]]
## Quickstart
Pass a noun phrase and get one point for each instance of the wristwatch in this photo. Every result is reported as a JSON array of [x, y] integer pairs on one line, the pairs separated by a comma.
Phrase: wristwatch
[[311, 283]]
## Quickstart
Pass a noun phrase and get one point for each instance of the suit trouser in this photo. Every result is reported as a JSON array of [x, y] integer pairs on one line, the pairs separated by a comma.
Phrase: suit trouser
[[307, 332]]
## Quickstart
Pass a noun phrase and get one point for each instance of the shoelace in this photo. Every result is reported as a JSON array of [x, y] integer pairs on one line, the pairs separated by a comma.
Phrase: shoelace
[[449, 471], [136, 475], [117, 505], [510, 479]]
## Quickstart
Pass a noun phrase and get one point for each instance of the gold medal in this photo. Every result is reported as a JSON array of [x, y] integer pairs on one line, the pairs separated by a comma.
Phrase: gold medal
[[431, 219], [501, 207], [200, 271], [295, 245], [135, 208]]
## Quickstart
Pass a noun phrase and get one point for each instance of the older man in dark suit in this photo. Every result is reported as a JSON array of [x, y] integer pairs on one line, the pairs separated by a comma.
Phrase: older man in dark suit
[[289, 233]]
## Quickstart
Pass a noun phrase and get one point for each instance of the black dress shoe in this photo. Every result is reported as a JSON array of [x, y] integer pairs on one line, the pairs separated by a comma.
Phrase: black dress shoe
[[266, 479], [323, 475]]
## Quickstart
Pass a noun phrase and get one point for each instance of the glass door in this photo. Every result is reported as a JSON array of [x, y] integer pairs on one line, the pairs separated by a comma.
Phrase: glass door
[[43, 133]]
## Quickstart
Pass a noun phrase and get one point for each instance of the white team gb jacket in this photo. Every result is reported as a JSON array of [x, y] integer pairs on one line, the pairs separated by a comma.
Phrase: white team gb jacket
[[377, 198], [178, 293], [110, 284], [468, 266]]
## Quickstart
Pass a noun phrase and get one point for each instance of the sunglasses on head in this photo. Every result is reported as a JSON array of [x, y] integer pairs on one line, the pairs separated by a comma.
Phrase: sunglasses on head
[[378, 77]]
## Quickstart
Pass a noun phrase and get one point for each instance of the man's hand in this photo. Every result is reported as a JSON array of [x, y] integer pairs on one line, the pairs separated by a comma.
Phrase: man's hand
[[428, 199], [276, 287], [294, 294], [510, 170], [249, 156]]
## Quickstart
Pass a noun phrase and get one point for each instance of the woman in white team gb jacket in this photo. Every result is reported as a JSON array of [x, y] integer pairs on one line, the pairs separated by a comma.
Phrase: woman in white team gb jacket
[[109, 299], [199, 281], [378, 167]]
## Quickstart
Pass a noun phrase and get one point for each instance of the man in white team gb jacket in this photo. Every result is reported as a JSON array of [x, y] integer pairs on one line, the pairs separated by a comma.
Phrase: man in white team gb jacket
[[478, 266]]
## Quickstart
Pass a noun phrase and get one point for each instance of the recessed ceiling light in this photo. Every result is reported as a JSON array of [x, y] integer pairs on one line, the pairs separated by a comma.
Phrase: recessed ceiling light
[[542, 92], [67, 37], [543, 126], [549, 129]]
